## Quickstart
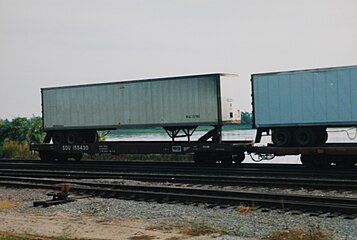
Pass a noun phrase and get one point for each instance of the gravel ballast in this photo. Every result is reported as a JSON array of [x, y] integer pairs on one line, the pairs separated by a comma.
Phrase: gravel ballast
[[251, 225]]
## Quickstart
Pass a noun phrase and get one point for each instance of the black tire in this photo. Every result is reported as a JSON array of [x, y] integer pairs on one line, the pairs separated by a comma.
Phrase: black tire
[[281, 137], [73, 137], [58, 137], [321, 136], [305, 137], [90, 137]]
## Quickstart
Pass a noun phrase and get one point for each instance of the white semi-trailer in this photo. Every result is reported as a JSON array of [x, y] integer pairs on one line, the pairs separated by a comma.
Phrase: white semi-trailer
[[72, 115]]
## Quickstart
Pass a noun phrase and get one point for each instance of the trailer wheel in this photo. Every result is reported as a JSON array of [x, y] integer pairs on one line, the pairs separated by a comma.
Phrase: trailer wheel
[[73, 137], [321, 136], [281, 137], [305, 137], [90, 136], [58, 137]]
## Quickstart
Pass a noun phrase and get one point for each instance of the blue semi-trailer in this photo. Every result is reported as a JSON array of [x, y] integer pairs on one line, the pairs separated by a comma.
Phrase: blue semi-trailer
[[296, 107]]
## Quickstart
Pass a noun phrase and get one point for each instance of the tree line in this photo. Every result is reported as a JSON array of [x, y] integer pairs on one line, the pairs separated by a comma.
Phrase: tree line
[[17, 134], [21, 129]]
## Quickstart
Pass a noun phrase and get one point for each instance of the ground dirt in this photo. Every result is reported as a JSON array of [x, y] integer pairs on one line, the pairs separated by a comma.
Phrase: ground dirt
[[84, 226]]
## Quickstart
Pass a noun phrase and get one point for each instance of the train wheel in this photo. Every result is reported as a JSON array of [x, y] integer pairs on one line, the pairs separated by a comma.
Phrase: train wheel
[[281, 137], [75, 156], [304, 137], [238, 157], [58, 137], [226, 158], [47, 156], [314, 161], [346, 161], [60, 157], [200, 158]]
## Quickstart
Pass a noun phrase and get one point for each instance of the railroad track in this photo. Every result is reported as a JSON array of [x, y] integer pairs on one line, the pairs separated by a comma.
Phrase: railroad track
[[287, 202], [249, 170], [217, 180]]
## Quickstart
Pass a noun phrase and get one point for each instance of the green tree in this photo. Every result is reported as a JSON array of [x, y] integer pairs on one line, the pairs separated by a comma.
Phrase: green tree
[[4, 129], [18, 129], [35, 133], [21, 130]]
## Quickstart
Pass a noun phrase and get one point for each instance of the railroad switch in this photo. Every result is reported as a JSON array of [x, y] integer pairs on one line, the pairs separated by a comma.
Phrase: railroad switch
[[57, 197], [63, 194]]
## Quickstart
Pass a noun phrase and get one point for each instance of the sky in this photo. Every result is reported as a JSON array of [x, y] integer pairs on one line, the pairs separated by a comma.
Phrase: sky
[[68, 42]]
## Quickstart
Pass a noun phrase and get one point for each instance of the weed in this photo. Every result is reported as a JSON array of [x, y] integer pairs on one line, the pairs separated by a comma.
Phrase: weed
[[142, 237], [245, 209], [173, 238], [6, 204], [313, 233], [201, 228], [191, 229], [164, 227], [12, 236], [14, 149]]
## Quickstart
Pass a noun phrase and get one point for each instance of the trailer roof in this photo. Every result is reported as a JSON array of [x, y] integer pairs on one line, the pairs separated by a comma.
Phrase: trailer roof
[[306, 70], [145, 80]]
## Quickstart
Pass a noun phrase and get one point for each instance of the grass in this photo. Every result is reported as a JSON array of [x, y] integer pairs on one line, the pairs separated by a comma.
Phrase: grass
[[202, 228], [13, 236], [25, 236], [142, 237], [191, 229], [14, 150], [313, 233], [245, 209], [6, 204]]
